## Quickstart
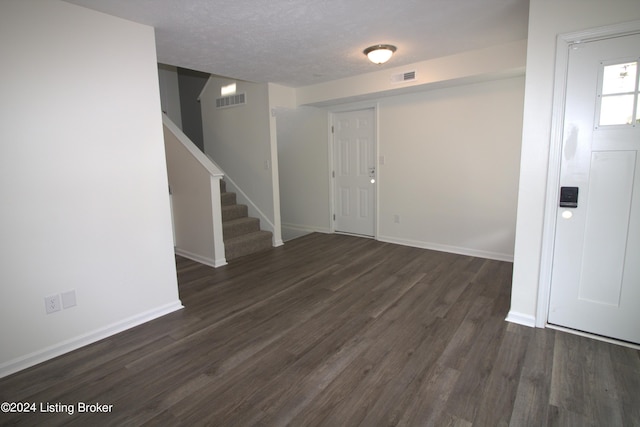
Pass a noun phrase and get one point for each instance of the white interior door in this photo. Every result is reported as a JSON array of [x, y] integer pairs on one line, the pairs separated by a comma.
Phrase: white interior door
[[595, 282], [354, 172]]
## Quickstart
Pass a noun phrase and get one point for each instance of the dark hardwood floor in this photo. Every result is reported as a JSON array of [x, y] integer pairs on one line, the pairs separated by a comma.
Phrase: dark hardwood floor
[[339, 331]]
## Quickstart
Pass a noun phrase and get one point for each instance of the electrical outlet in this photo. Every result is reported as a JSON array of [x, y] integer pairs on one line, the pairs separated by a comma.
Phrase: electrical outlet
[[396, 219], [52, 304]]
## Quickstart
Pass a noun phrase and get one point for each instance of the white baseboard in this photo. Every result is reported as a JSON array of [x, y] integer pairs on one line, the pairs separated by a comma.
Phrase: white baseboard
[[56, 350], [446, 248], [292, 231], [215, 263], [521, 319]]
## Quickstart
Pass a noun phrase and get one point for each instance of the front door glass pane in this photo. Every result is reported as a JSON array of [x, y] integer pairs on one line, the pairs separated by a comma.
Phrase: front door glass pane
[[616, 110], [619, 78]]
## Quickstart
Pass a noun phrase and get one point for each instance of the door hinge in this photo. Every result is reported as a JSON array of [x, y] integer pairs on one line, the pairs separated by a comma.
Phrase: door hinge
[[334, 217], [333, 174], [331, 129]]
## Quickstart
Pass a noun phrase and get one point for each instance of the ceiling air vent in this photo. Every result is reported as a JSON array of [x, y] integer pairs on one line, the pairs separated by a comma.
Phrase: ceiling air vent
[[407, 76], [231, 100]]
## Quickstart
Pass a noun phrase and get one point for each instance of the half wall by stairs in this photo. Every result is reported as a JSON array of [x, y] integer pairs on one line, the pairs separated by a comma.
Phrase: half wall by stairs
[[209, 225], [241, 233]]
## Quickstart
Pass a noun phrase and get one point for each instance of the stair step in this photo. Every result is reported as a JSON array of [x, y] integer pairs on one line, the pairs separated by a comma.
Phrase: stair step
[[241, 234], [236, 227], [227, 199], [234, 212], [247, 244]]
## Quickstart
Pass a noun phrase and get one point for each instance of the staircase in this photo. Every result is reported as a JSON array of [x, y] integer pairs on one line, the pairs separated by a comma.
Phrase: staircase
[[241, 233]]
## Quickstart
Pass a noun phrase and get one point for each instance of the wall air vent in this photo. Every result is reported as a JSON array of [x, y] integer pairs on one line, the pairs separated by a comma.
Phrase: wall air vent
[[407, 76], [231, 100]]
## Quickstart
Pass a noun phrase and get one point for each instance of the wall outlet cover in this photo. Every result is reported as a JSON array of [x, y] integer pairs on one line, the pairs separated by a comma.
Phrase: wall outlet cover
[[52, 304], [69, 299]]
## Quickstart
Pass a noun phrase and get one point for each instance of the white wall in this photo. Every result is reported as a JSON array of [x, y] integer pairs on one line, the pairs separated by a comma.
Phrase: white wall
[[462, 68], [195, 196], [451, 168], [451, 149], [239, 140], [547, 19], [303, 157], [83, 179], [170, 93]]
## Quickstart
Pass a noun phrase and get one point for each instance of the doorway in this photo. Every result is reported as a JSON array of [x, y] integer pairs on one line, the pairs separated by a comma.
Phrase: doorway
[[595, 274], [354, 172]]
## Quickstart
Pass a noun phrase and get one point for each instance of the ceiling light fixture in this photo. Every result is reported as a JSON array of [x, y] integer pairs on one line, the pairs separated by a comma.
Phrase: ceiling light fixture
[[380, 53]]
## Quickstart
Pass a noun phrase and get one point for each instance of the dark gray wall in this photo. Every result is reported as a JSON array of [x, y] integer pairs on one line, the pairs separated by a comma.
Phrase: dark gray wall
[[190, 84]]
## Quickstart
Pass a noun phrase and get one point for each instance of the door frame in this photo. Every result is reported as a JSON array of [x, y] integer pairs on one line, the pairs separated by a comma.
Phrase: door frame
[[333, 112], [564, 42]]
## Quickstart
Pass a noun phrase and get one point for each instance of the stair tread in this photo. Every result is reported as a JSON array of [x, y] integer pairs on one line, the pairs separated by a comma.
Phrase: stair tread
[[234, 206], [241, 233], [228, 199], [239, 220], [232, 212], [236, 227], [247, 244], [249, 236]]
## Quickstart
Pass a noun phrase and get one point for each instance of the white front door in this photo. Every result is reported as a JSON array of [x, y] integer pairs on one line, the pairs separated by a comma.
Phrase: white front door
[[354, 171], [595, 281]]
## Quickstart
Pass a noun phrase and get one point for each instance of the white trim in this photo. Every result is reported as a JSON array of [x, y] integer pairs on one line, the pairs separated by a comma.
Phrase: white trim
[[66, 346], [447, 248], [204, 160], [376, 130], [521, 319], [593, 336], [215, 263], [330, 172], [555, 151], [346, 233], [553, 179], [218, 235], [606, 32], [299, 230], [275, 176]]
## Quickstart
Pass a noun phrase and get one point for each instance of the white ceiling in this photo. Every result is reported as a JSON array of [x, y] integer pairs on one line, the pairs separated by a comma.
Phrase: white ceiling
[[302, 42]]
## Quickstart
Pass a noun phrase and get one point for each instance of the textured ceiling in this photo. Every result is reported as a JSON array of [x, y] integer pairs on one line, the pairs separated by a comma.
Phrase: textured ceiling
[[302, 42]]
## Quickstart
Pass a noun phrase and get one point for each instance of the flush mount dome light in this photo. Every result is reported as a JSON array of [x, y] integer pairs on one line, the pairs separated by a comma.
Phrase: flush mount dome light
[[380, 53]]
